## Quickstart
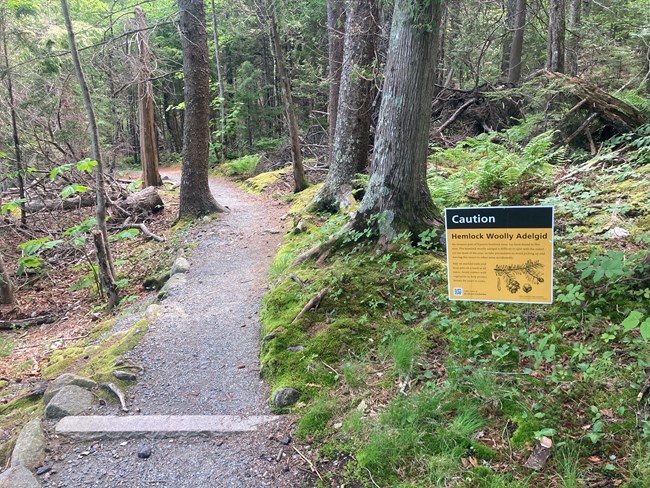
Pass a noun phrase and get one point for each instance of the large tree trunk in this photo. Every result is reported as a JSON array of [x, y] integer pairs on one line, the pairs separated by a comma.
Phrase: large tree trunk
[[148, 146], [517, 47], [6, 286], [398, 198], [335, 26], [350, 152], [221, 153], [573, 47], [105, 260], [299, 180], [196, 198], [556, 33]]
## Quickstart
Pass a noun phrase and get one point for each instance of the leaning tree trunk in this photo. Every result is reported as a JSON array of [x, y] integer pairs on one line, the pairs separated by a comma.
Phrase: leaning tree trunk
[[398, 198], [6, 286], [196, 198], [350, 152], [517, 46], [107, 270], [556, 33], [148, 146], [335, 27], [299, 180]]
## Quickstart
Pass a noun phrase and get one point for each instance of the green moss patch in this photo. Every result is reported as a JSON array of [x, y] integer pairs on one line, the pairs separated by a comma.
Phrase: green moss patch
[[419, 391]]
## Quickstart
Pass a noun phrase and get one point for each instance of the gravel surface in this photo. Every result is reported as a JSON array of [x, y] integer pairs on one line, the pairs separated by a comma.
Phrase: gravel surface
[[200, 357]]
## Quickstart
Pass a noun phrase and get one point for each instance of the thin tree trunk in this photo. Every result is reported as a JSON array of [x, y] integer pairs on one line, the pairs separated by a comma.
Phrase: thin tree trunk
[[573, 47], [148, 145], [398, 198], [517, 47], [196, 198], [300, 182], [556, 33], [222, 96], [111, 86], [20, 170], [6, 286], [509, 20], [350, 152], [336, 26], [106, 267]]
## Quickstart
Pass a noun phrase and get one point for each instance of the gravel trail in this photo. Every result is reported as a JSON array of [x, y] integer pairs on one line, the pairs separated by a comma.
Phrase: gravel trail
[[200, 357]]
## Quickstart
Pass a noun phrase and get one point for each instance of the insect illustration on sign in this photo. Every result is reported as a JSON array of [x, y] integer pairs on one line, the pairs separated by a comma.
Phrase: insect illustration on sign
[[529, 272]]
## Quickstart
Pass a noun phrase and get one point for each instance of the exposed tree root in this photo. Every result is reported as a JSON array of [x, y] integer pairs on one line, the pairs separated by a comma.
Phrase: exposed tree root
[[313, 303]]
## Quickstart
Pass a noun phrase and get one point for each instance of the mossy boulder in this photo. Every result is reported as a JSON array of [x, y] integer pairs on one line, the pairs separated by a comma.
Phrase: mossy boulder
[[64, 380]]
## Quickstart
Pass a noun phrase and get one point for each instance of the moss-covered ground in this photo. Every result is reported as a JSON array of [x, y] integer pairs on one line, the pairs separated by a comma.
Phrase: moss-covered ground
[[401, 387]]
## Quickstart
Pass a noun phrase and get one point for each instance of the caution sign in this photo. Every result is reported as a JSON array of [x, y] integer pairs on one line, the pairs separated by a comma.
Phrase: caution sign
[[500, 254]]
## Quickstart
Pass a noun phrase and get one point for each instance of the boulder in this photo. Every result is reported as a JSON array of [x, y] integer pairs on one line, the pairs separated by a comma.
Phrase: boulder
[[30, 446], [181, 265], [70, 400], [65, 380], [285, 397], [18, 477]]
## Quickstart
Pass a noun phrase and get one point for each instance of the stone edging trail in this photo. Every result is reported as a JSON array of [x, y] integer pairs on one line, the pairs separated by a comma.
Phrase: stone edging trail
[[200, 357]]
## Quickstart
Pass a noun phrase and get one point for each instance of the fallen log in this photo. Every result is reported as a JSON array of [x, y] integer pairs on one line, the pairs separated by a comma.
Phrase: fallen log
[[139, 205], [24, 323], [609, 109]]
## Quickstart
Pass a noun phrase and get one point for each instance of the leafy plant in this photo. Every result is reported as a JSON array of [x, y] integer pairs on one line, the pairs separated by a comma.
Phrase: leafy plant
[[611, 265]]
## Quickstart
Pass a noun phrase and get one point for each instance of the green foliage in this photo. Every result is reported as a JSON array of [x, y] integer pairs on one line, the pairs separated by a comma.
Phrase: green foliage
[[7, 345], [612, 265], [404, 351], [31, 250], [244, 166], [494, 169]]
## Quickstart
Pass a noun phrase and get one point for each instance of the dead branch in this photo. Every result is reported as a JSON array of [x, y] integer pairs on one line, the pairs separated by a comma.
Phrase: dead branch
[[143, 228], [313, 303], [456, 114], [116, 391]]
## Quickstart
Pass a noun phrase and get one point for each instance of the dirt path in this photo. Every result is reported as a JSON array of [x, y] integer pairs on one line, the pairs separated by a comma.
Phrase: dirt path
[[201, 357]]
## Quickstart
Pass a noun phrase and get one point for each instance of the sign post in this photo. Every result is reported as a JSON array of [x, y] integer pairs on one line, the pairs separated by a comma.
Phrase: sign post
[[500, 254]]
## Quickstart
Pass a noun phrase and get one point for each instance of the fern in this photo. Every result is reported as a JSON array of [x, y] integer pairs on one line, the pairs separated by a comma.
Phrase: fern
[[499, 171]]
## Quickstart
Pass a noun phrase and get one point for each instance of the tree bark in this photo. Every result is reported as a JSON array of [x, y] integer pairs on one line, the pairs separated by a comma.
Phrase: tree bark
[[299, 180], [398, 198], [14, 120], [556, 33], [350, 151], [336, 26], [104, 258], [517, 46], [196, 198], [148, 146], [509, 21], [221, 156], [573, 47], [6, 286]]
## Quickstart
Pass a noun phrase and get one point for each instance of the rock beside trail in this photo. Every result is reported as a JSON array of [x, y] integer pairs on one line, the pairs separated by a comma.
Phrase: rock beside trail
[[18, 477], [67, 379], [173, 283], [181, 265], [70, 400], [30, 446], [285, 397]]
